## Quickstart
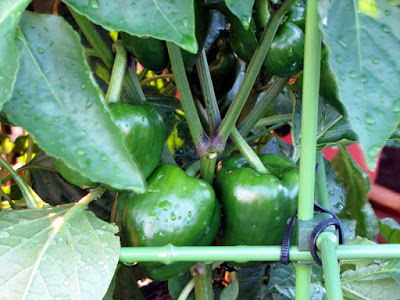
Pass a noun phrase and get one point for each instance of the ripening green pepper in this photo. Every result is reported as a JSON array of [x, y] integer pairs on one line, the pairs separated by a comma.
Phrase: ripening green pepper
[[150, 52], [285, 57], [224, 69], [144, 135], [144, 132], [296, 15], [256, 207], [262, 13], [244, 42], [178, 210], [153, 53]]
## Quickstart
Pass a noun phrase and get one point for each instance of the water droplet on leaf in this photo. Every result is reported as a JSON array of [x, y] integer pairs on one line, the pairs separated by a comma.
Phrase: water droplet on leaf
[[80, 151], [94, 4]]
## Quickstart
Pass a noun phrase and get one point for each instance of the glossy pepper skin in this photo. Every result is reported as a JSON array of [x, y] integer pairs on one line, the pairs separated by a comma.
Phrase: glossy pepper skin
[[153, 53], [176, 209], [243, 42], [144, 135], [297, 14], [256, 207], [285, 57], [150, 52], [144, 132], [224, 69], [262, 13]]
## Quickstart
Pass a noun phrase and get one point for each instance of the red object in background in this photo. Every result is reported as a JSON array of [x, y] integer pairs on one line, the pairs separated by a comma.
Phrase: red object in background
[[354, 150]]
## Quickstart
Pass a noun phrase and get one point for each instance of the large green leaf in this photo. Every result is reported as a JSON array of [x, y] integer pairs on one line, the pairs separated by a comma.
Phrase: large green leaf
[[53, 189], [177, 283], [390, 230], [250, 282], [241, 9], [357, 185], [62, 252], [57, 100], [283, 278], [230, 292], [10, 12], [165, 20], [336, 193], [332, 128], [363, 41], [376, 280]]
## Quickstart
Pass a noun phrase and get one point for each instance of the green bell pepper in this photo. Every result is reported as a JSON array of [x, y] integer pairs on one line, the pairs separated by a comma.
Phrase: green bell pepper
[[296, 15], [256, 207], [176, 209], [285, 57], [225, 68], [144, 132]]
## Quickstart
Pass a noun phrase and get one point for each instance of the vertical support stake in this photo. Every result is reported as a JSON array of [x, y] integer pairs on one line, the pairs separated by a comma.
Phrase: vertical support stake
[[327, 243]]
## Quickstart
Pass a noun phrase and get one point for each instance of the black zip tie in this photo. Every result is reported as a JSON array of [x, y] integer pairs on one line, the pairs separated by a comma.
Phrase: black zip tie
[[286, 240], [317, 231], [289, 230]]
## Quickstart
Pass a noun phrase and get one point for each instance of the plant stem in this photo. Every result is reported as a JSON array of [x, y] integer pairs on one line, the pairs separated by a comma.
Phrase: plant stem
[[28, 156], [261, 107], [117, 75], [207, 166], [273, 120], [248, 152], [91, 52], [155, 77], [135, 89], [193, 120], [322, 187], [31, 198], [202, 277], [142, 74], [94, 38], [214, 116], [166, 156], [193, 169], [186, 290], [251, 74], [94, 194]]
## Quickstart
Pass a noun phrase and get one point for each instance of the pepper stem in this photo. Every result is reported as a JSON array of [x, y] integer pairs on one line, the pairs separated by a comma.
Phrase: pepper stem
[[202, 276], [214, 116], [189, 107], [117, 75], [207, 167], [244, 148], [261, 107], [193, 169], [250, 76]]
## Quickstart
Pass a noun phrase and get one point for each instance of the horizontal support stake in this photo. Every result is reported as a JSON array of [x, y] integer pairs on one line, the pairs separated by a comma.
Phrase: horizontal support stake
[[169, 254]]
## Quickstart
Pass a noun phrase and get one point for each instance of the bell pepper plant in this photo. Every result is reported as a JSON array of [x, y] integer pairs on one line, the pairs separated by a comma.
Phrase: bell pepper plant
[[143, 141]]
